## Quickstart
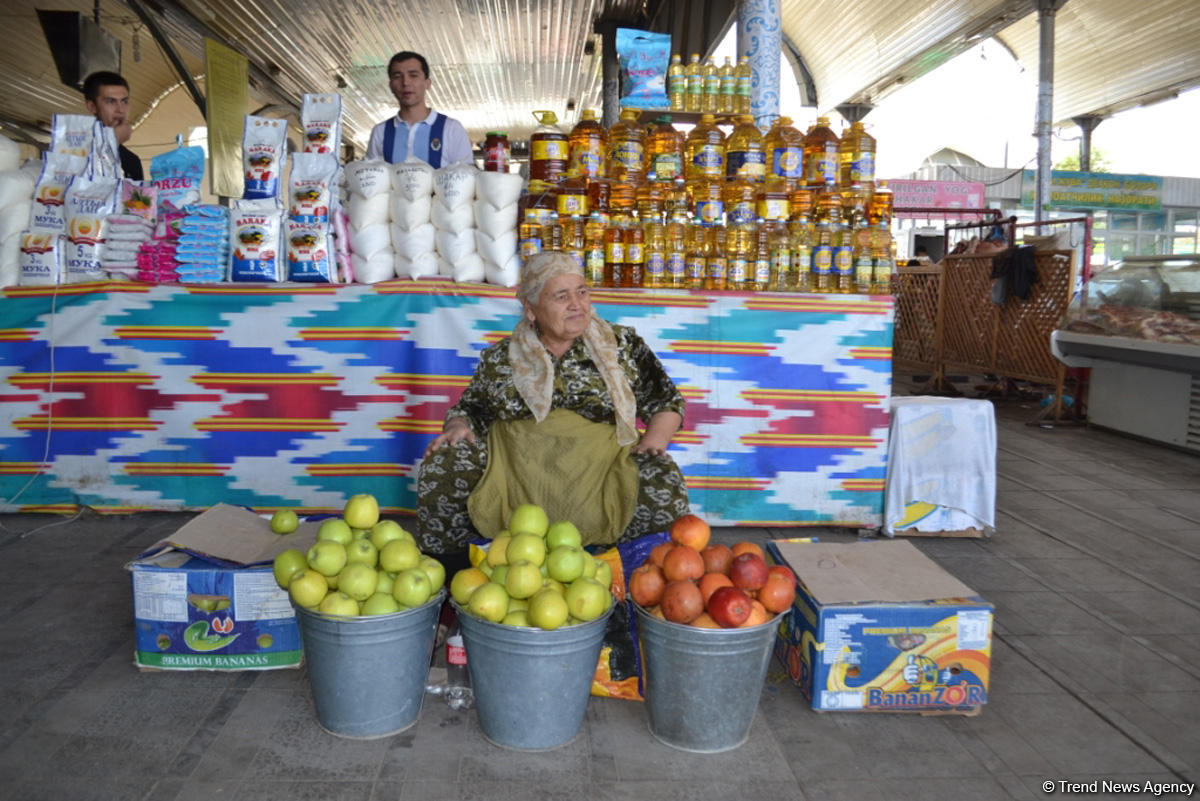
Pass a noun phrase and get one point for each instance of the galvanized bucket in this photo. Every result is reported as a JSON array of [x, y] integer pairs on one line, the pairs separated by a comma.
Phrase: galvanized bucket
[[729, 665], [368, 673], [531, 686]]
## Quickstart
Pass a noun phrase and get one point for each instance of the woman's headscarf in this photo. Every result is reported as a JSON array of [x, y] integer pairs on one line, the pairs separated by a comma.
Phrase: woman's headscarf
[[533, 369]]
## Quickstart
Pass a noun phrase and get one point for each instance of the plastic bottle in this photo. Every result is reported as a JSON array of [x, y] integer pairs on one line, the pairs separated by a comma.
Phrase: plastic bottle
[[800, 201], [784, 146], [822, 247], [773, 201], [696, 261], [744, 155], [677, 83], [627, 148], [496, 152], [800, 242], [649, 199], [677, 200], [728, 102], [614, 247], [882, 262], [780, 246], [654, 271], [821, 155], [743, 75], [593, 250], [548, 149], [587, 145], [599, 192], [856, 157], [761, 272], [634, 237], [676, 256], [879, 209], [712, 87], [695, 83], [664, 150], [704, 151], [739, 255], [717, 264], [458, 692], [572, 197], [740, 197], [573, 243], [708, 201], [864, 266], [843, 249]]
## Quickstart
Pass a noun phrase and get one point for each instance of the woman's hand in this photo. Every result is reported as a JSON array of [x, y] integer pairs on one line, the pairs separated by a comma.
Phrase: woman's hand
[[455, 431], [659, 431]]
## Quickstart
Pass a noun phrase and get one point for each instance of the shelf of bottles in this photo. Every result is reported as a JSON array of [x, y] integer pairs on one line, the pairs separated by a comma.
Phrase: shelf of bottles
[[645, 206]]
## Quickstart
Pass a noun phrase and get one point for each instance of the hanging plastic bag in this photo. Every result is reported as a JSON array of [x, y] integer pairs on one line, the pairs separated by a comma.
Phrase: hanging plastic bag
[[643, 57], [177, 174]]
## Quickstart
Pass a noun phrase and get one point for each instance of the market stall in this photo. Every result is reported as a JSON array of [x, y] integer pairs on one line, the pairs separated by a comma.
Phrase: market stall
[[120, 396]]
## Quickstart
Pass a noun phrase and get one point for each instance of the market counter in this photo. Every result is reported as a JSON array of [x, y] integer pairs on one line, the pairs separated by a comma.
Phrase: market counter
[[123, 396]]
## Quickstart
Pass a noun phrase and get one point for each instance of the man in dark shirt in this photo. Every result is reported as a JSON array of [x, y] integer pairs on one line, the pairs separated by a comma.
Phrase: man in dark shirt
[[107, 97]]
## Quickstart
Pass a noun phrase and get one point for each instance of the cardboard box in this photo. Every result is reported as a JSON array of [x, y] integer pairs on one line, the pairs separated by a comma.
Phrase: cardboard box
[[205, 598], [878, 626]]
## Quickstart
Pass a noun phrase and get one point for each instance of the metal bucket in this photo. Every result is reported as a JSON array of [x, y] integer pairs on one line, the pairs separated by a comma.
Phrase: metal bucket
[[368, 673], [729, 665], [531, 686]]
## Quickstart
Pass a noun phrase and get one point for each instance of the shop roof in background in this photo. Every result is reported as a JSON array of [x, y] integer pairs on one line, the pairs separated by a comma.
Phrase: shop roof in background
[[495, 61]]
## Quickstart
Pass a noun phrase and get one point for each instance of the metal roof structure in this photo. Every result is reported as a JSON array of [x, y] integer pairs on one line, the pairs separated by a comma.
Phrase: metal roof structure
[[495, 61]]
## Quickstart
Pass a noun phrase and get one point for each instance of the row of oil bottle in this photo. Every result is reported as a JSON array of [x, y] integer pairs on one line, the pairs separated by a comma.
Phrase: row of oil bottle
[[827, 242], [703, 86], [632, 153]]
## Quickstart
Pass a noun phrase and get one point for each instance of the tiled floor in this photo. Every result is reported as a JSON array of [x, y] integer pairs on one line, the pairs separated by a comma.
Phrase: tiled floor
[[1094, 571]]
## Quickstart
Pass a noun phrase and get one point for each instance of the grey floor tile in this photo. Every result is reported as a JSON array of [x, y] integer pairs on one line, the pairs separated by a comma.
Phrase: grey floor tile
[[1102, 662]]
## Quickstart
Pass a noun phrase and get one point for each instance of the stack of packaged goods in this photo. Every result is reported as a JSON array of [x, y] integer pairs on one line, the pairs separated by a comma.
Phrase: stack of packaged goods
[[496, 202], [130, 228], [256, 221], [704, 87], [453, 216], [413, 236], [368, 202], [779, 211], [313, 198], [16, 207], [202, 252]]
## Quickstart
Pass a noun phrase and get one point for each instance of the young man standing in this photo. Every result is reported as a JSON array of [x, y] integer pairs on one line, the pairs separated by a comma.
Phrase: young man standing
[[417, 130], [107, 97]]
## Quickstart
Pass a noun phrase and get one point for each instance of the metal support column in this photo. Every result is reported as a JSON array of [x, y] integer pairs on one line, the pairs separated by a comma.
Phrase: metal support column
[[1087, 124], [759, 38], [1046, 10]]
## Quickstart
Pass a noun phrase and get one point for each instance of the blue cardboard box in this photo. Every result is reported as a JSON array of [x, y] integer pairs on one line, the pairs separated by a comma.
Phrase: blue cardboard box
[[879, 627], [205, 598]]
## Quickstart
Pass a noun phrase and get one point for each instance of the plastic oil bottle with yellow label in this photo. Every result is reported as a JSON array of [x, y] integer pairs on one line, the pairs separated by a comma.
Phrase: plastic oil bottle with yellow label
[[626, 156]]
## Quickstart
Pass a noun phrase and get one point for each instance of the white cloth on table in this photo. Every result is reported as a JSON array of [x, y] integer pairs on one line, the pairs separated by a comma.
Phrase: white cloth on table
[[941, 465]]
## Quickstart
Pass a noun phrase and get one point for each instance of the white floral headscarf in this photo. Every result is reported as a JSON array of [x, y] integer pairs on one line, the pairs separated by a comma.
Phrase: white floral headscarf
[[533, 369]]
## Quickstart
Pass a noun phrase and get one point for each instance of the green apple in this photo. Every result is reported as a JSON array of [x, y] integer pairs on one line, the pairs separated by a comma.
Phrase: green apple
[[497, 551], [589, 566], [518, 603], [528, 547], [361, 533], [435, 570], [523, 579], [358, 580], [603, 572], [383, 581], [361, 550], [284, 521], [489, 602], [335, 529], [385, 531], [516, 617], [557, 586], [466, 581], [287, 564], [565, 563], [548, 609], [499, 574], [308, 588], [563, 532], [381, 603], [339, 603], [485, 568], [331, 581], [529, 518], [399, 555], [361, 511], [587, 599], [327, 557], [411, 587]]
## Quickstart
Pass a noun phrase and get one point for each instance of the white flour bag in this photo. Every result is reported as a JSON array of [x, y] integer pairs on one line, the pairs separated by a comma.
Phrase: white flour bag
[[417, 242], [495, 221], [499, 188], [422, 266], [459, 218], [412, 178], [407, 214], [372, 270], [264, 145], [367, 211], [311, 187], [90, 200], [368, 178], [321, 118], [506, 275], [50, 192], [41, 258], [455, 185]]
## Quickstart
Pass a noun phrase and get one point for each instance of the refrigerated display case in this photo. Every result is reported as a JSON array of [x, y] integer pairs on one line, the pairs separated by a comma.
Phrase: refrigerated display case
[[1136, 324]]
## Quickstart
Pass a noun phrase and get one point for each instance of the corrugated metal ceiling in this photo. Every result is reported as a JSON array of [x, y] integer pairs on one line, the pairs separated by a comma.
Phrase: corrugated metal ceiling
[[494, 61]]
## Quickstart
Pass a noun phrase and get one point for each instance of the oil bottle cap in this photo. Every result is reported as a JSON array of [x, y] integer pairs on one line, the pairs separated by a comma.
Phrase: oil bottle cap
[[589, 114], [707, 119], [545, 117], [630, 113]]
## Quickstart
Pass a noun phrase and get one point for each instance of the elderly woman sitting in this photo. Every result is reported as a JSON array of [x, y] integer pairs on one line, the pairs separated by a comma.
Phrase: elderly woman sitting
[[548, 418]]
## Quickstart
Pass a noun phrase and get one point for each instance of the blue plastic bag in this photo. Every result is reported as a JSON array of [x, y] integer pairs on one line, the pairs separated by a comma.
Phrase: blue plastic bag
[[643, 57]]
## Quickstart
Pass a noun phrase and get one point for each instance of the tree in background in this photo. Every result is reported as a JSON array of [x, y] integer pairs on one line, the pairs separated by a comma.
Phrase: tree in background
[[1100, 162]]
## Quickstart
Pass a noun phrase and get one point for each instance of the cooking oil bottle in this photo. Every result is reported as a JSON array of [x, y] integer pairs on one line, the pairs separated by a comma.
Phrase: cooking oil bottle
[[593, 250], [572, 197], [695, 83], [820, 155], [712, 87], [664, 151], [552, 234], [614, 247], [843, 251], [626, 155], [650, 199], [677, 83], [864, 267], [880, 206], [634, 236], [740, 196], [743, 75], [728, 88], [708, 201], [704, 151], [784, 146], [824, 229], [773, 203], [800, 239], [762, 257], [573, 238], [654, 271], [856, 157], [744, 156], [739, 256], [718, 261], [677, 246], [548, 149], [779, 242], [587, 145], [881, 258], [678, 199]]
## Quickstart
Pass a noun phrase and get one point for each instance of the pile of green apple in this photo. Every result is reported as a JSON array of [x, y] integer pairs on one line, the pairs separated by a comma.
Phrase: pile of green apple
[[360, 565], [535, 574]]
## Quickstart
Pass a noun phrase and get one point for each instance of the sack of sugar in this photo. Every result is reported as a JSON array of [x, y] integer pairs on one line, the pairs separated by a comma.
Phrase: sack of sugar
[[499, 188], [506, 275], [412, 178], [367, 211], [456, 219], [417, 242], [408, 214], [368, 178], [498, 249], [495, 221], [455, 247], [424, 265], [455, 185], [373, 269], [369, 241]]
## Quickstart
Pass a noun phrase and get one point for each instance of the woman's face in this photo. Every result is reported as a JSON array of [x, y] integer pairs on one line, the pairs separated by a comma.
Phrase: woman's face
[[563, 309]]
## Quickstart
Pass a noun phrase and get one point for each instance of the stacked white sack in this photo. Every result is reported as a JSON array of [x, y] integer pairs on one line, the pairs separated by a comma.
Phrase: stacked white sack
[[454, 218], [413, 235], [16, 205], [369, 192], [496, 196]]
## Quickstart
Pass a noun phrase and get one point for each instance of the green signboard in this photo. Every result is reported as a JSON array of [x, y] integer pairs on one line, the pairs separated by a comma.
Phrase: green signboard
[[1096, 190]]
